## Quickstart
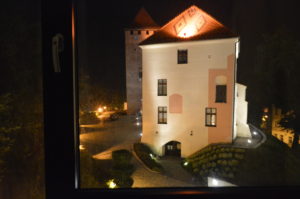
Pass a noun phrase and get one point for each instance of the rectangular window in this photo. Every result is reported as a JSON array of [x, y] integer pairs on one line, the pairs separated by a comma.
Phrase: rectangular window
[[281, 137], [210, 117], [162, 115], [182, 56], [221, 93], [162, 87], [290, 140]]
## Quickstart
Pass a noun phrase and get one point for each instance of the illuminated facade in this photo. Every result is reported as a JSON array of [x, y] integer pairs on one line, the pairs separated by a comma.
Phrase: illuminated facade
[[189, 89], [286, 136], [142, 28]]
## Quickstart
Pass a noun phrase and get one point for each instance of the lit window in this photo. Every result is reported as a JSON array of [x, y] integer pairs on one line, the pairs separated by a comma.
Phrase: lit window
[[210, 116], [290, 140], [162, 87], [281, 137], [221, 93], [162, 115], [182, 56]]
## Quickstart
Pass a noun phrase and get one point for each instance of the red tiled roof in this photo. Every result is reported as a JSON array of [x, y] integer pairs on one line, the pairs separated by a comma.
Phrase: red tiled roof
[[192, 24], [143, 20]]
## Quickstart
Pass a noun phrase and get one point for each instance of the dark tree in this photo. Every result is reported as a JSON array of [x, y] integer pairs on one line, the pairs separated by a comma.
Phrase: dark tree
[[277, 75]]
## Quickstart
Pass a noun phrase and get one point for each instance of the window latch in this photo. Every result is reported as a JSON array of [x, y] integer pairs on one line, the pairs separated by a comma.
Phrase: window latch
[[57, 48]]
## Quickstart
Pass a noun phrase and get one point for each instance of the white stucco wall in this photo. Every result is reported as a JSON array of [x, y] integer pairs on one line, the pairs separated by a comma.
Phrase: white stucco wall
[[189, 80], [241, 112]]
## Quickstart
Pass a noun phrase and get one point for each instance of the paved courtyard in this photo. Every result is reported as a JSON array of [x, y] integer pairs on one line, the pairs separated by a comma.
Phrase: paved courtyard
[[101, 139]]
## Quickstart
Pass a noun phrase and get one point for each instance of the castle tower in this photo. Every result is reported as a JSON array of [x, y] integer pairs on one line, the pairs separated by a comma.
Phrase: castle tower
[[142, 27]]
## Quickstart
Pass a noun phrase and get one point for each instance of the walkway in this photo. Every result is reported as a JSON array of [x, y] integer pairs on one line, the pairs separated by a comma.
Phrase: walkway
[[174, 177], [257, 138]]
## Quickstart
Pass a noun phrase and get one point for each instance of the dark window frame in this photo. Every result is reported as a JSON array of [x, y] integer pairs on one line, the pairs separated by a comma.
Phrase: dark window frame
[[162, 115], [60, 170], [162, 87], [182, 56], [211, 112]]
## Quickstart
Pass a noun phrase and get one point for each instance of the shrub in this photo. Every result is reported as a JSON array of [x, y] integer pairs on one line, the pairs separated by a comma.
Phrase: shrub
[[121, 158], [143, 152]]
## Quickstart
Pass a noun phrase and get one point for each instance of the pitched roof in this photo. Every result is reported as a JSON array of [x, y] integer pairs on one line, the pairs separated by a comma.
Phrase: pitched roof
[[143, 20], [192, 24]]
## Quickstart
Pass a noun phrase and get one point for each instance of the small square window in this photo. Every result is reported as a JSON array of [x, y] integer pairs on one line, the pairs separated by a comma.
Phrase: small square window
[[182, 56]]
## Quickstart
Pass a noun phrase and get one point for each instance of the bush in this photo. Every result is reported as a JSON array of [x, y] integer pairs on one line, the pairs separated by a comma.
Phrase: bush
[[122, 168], [143, 152], [121, 158]]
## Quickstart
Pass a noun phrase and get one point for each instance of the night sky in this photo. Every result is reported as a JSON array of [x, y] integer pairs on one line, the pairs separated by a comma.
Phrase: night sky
[[101, 30]]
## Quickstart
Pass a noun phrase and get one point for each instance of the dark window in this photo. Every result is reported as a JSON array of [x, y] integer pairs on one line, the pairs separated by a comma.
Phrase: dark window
[[147, 32], [139, 32], [162, 115], [210, 117], [162, 87], [182, 56], [140, 75], [221, 93], [131, 32]]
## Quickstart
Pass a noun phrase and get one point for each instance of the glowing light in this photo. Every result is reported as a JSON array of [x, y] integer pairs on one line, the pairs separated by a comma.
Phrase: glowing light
[[137, 118], [152, 157], [249, 141], [215, 182], [255, 133], [186, 163], [138, 124], [100, 110], [111, 184], [141, 134], [104, 107], [188, 31], [81, 147]]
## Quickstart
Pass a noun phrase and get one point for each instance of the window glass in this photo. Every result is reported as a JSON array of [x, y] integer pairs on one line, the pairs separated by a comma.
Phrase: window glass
[[221, 93], [127, 82], [182, 56], [211, 116], [162, 87], [21, 101]]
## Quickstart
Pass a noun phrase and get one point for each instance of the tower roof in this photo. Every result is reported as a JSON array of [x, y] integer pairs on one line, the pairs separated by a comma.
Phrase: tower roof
[[143, 20], [192, 24]]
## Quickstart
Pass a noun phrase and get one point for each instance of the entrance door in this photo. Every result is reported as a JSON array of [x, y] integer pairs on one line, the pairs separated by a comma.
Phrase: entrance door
[[173, 148]]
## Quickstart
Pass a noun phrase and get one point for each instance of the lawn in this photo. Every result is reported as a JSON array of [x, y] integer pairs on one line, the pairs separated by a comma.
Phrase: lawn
[[272, 163]]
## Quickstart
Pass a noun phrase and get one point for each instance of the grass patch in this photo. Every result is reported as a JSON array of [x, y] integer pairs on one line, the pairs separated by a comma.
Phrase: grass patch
[[147, 156]]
